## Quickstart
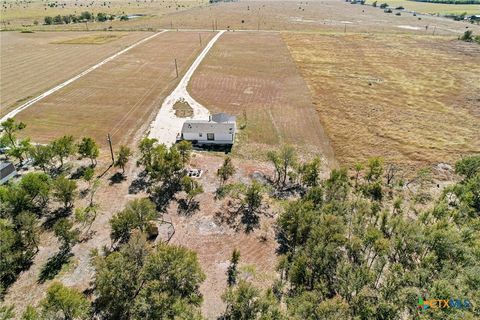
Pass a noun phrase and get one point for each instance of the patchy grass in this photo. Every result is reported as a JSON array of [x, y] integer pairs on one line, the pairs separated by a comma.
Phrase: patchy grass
[[93, 39], [413, 100]]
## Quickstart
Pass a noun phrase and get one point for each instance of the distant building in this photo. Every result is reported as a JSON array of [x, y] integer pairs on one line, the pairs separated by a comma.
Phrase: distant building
[[220, 129], [7, 171]]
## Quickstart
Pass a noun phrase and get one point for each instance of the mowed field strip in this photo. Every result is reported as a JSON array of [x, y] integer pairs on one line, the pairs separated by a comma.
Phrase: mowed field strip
[[414, 100], [35, 62], [24, 106], [253, 73], [118, 97]]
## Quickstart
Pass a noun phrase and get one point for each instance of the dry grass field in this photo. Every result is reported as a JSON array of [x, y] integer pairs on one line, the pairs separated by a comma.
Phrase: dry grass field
[[117, 98], [253, 73], [320, 16], [413, 100], [32, 63], [15, 14], [435, 8]]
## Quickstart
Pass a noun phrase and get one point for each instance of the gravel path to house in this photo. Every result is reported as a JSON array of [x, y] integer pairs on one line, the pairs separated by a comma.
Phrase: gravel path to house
[[167, 125]]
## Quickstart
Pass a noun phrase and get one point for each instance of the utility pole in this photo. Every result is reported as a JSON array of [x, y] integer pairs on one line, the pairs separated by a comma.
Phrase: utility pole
[[176, 67], [200, 38], [434, 28], [345, 29], [109, 139], [213, 26], [171, 24]]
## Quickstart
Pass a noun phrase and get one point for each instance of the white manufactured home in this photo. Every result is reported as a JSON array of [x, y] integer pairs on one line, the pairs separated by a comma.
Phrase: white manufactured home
[[220, 129]]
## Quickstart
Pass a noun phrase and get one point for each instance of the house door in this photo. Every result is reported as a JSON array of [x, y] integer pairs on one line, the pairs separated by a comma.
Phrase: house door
[[210, 136]]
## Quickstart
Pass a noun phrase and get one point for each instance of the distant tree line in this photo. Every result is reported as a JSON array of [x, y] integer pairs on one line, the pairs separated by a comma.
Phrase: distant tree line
[[216, 1], [83, 17], [450, 1]]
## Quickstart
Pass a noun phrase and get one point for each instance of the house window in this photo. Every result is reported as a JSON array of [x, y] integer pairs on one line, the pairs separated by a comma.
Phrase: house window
[[200, 134], [210, 136]]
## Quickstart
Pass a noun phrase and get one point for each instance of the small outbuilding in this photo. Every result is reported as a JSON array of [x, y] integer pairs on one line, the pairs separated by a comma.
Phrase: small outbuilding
[[219, 129], [7, 171]]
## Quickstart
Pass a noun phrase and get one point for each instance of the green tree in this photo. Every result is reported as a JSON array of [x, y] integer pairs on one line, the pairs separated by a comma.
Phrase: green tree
[[136, 215], [48, 20], [85, 217], [65, 191], [467, 36], [86, 16], [66, 303], [310, 172], [42, 156], [232, 271], [101, 17], [88, 175], [38, 186], [283, 160], [226, 170], [57, 19], [88, 148], [247, 202], [65, 233], [146, 147], [468, 167], [137, 282], [67, 19], [192, 188], [123, 156], [184, 147], [246, 302], [21, 150], [63, 148], [10, 128]]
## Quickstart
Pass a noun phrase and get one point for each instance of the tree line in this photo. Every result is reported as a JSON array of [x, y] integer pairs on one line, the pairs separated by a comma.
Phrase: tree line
[[85, 16]]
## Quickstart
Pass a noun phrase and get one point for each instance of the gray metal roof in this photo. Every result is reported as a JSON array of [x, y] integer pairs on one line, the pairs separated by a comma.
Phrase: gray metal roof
[[223, 117], [204, 126], [7, 171]]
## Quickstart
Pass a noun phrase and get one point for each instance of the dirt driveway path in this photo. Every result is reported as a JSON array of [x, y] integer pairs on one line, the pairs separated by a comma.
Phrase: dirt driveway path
[[166, 125]]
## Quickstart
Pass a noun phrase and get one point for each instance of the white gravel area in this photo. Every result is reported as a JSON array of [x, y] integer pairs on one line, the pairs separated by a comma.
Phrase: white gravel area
[[167, 125]]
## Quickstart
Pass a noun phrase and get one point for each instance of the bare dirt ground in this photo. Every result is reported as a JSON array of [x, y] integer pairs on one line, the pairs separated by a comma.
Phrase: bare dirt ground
[[118, 97], [413, 100], [241, 75], [32, 62], [214, 241]]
